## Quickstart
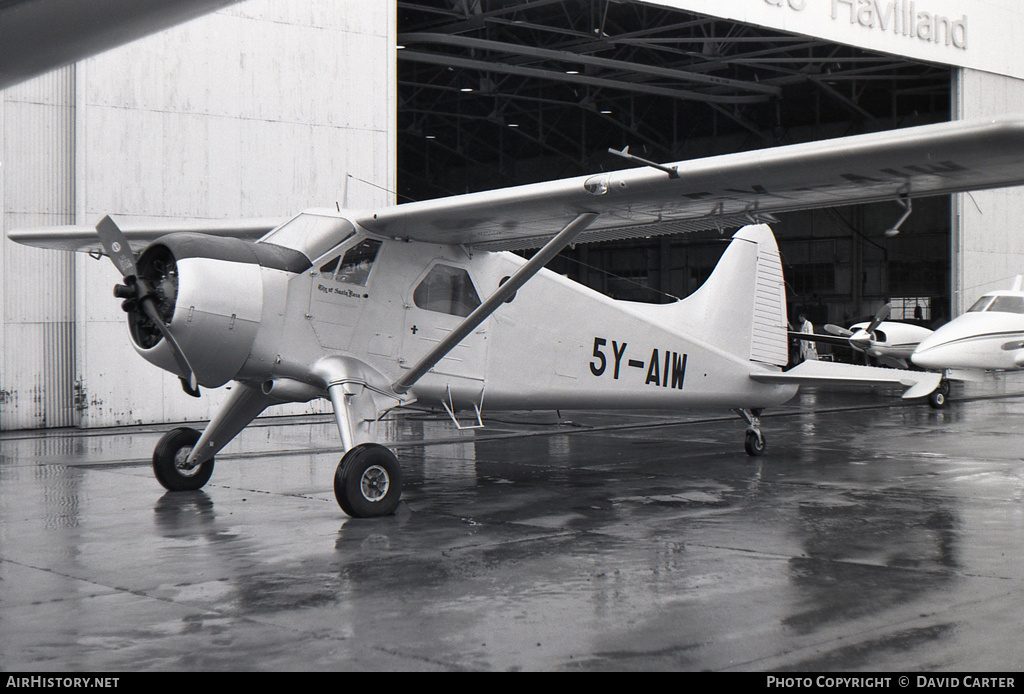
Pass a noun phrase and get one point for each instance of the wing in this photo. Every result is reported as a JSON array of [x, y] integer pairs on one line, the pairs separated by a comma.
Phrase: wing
[[716, 192], [85, 239], [818, 337], [724, 191], [41, 35]]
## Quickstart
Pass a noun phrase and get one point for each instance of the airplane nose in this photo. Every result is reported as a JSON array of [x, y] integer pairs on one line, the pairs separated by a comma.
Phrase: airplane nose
[[932, 353], [927, 360]]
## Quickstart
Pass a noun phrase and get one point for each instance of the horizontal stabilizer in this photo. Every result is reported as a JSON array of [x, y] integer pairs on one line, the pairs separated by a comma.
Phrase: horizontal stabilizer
[[834, 374]]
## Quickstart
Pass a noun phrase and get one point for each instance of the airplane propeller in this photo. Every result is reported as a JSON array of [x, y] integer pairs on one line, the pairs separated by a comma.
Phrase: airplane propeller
[[144, 295], [837, 330], [862, 338]]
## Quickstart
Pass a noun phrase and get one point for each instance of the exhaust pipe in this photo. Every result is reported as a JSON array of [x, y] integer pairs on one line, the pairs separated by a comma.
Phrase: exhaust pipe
[[284, 390]]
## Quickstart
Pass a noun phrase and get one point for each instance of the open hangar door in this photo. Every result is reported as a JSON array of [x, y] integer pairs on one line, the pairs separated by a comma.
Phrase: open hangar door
[[496, 93]]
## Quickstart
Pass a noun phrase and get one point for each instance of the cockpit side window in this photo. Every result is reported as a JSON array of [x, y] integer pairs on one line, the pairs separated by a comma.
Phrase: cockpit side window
[[980, 305], [447, 289], [354, 266], [1008, 304], [356, 263]]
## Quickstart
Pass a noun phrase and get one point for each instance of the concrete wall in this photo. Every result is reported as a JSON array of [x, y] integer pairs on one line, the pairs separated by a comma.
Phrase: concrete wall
[[987, 245], [37, 286], [262, 109]]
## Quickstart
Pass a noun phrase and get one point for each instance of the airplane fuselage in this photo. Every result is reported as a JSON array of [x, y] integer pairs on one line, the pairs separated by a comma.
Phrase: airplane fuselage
[[979, 341], [556, 344], [261, 317]]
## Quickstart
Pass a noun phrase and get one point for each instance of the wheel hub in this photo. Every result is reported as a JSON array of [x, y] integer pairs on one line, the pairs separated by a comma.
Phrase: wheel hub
[[374, 483], [181, 462]]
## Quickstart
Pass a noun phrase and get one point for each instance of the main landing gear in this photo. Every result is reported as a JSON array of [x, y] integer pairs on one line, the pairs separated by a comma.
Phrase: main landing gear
[[753, 441], [368, 481]]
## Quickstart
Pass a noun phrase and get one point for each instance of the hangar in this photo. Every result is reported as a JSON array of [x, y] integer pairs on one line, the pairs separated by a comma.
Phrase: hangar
[[263, 109]]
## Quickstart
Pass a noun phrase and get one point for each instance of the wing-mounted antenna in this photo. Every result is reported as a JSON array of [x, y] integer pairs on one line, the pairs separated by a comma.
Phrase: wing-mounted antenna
[[672, 171]]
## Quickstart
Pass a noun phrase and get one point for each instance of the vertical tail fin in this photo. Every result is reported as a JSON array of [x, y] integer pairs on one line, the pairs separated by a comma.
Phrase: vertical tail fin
[[741, 308]]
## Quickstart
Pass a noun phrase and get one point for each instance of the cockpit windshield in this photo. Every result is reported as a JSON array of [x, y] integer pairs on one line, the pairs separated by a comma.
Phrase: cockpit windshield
[[1007, 304], [998, 304], [311, 234]]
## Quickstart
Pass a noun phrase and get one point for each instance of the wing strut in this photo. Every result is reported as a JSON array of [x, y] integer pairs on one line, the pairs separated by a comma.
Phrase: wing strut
[[564, 238]]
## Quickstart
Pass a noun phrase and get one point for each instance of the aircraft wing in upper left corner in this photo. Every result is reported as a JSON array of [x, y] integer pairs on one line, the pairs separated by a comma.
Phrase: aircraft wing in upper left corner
[[37, 36], [84, 239]]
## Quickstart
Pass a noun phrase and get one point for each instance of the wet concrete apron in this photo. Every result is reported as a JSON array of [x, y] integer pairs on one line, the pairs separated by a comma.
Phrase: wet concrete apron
[[873, 535]]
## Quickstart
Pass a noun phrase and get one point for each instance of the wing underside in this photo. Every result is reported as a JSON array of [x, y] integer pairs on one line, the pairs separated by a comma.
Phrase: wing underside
[[725, 191]]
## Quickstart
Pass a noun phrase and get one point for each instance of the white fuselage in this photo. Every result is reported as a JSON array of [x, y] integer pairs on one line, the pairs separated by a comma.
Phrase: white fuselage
[[990, 336], [556, 344]]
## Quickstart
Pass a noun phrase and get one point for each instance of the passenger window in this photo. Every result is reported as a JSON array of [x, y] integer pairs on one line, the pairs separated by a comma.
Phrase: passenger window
[[447, 289]]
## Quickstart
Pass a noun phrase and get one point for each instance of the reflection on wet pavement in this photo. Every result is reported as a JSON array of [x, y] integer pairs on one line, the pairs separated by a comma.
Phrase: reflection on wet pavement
[[873, 535]]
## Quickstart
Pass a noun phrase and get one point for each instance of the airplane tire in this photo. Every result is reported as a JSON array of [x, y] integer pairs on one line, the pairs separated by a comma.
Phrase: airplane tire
[[170, 454], [937, 399], [754, 443], [368, 481]]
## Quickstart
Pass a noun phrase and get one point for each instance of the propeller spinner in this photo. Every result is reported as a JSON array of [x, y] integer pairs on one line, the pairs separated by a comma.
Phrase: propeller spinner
[[864, 338], [148, 296]]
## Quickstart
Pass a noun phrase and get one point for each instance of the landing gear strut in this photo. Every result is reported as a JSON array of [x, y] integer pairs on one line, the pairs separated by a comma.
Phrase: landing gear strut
[[753, 441], [368, 481]]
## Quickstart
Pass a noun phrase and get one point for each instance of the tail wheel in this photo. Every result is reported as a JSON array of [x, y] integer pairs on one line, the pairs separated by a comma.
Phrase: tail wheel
[[169, 458], [368, 481]]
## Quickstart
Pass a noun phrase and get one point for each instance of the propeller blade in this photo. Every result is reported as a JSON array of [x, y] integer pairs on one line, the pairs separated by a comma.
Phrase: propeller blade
[[882, 314], [116, 245], [836, 330], [148, 305]]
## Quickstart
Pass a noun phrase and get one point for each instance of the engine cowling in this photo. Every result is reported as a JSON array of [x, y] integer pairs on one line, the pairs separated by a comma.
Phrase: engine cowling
[[209, 291]]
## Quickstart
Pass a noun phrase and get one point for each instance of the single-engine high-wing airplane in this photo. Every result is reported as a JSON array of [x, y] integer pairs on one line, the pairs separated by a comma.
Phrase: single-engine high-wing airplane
[[41, 35], [989, 336], [416, 304], [890, 342]]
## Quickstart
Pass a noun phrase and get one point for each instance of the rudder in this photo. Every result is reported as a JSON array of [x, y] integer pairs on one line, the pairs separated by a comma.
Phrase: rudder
[[741, 308]]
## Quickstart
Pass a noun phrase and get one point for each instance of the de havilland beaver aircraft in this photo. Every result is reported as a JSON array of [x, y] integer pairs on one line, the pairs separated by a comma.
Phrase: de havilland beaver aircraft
[[422, 304]]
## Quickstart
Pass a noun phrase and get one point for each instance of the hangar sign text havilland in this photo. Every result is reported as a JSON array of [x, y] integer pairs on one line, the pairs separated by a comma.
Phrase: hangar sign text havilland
[[899, 17]]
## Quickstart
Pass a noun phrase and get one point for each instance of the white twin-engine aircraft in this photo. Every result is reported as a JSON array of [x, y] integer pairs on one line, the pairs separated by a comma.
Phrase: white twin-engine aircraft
[[419, 304]]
